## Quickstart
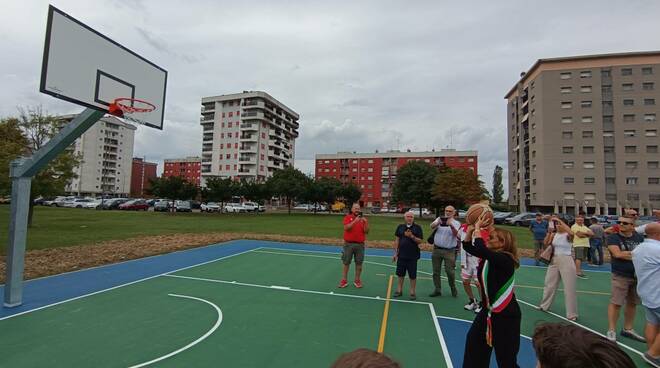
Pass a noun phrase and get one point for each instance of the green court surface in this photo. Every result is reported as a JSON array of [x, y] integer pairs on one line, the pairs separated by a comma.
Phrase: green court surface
[[272, 307]]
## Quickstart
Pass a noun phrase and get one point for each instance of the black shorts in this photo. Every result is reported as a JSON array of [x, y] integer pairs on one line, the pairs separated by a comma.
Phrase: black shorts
[[409, 265]]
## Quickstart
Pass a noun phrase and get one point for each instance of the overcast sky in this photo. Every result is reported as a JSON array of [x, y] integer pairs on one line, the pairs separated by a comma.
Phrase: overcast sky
[[363, 75]]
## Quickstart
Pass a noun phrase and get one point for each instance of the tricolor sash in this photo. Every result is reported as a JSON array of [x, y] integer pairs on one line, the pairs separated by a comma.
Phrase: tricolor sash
[[502, 299]]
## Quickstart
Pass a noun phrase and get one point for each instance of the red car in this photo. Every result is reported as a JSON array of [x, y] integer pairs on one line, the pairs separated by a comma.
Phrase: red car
[[135, 205]]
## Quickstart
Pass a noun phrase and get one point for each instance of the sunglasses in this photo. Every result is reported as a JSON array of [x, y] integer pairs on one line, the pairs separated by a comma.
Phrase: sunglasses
[[624, 223]]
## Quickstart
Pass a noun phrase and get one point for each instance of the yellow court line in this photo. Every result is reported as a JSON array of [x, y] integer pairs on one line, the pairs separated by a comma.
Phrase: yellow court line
[[383, 325]]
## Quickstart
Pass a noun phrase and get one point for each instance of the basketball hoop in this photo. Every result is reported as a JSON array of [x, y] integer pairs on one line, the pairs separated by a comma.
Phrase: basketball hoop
[[130, 106]]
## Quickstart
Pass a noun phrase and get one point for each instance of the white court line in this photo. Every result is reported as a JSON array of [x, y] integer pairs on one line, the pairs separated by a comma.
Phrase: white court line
[[284, 288], [583, 326], [427, 273], [200, 339], [470, 322], [443, 344], [122, 285]]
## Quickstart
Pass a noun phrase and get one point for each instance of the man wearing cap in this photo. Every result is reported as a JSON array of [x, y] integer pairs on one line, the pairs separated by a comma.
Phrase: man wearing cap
[[539, 228]]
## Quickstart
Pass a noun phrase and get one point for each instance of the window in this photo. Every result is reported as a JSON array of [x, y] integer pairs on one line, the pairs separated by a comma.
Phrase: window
[[231, 113], [653, 164], [569, 195], [589, 180], [568, 164], [566, 120], [649, 101], [588, 134], [588, 165], [648, 86], [533, 141], [610, 165], [651, 149], [610, 196], [569, 180], [585, 74], [565, 75], [588, 149], [565, 89], [628, 118], [647, 70], [585, 89], [606, 88], [631, 149], [632, 196], [606, 73], [626, 71], [610, 180], [654, 181], [629, 133], [608, 119], [654, 197], [585, 104], [567, 135], [651, 133], [608, 133], [567, 149], [631, 164], [566, 105], [628, 102], [370, 161], [631, 181], [649, 117], [627, 86]]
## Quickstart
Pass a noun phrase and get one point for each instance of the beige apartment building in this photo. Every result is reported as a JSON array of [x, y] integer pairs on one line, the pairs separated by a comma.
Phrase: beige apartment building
[[246, 135], [583, 134]]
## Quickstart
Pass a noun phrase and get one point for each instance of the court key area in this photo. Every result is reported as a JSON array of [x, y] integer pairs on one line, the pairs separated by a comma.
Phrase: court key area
[[257, 304]]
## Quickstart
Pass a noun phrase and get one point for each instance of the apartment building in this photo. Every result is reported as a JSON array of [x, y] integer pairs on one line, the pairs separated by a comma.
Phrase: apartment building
[[106, 151], [583, 134], [141, 172], [246, 135], [188, 168], [375, 173]]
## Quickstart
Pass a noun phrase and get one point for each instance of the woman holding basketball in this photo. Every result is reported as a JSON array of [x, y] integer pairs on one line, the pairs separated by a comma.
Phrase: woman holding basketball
[[497, 326]]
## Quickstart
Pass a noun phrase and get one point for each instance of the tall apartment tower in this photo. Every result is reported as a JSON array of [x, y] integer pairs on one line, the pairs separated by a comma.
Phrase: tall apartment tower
[[246, 135], [583, 134], [106, 150]]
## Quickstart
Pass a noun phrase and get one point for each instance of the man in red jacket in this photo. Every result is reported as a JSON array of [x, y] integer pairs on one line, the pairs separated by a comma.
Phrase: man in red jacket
[[356, 228]]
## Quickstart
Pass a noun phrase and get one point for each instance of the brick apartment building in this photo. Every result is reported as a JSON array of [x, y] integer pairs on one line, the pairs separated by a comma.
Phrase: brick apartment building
[[141, 172], [188, 168], [375, 173]]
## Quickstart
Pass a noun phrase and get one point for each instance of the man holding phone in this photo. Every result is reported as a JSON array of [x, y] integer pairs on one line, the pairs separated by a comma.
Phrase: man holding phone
[[408, 236], [445, 243], [356, 228]]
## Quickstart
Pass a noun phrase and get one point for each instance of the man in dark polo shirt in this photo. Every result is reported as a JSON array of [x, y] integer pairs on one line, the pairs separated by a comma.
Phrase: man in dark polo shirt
[[406, 253], [356, 228], [624, 280]]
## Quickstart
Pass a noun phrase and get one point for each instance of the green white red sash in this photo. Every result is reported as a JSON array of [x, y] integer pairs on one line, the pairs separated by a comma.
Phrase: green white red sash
[[502, 299]]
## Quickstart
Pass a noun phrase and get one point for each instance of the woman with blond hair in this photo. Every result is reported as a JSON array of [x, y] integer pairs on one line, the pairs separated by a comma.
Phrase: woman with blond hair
[[497, 325], [561, 268]]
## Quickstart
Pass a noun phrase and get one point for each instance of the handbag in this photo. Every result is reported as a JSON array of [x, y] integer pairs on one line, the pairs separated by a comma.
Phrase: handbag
[[546, 255]]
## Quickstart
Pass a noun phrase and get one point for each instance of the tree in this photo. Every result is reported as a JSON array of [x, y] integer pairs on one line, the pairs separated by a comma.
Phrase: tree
[[329, 189], [498, 189], [220, 190], [289, 183], [172, 187], [350, 193], [13, 144], [414, 182], [458, 187]]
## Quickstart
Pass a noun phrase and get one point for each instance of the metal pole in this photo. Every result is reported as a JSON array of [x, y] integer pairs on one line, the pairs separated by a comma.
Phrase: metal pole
[[21, 172]]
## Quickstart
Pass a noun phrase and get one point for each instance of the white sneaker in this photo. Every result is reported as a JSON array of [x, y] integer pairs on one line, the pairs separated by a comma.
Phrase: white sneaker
[[470, 306], [611, 335], [477, 309]]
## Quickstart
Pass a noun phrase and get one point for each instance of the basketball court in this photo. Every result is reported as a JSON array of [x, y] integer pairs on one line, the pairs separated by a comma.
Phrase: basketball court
[[254, 304]]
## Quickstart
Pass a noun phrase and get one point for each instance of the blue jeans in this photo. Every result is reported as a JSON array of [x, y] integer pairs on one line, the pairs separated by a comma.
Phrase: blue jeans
[[596, 246]]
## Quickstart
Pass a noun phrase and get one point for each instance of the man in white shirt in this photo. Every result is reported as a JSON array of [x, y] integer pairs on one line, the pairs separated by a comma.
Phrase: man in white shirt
[[445, 246], [646, 258]]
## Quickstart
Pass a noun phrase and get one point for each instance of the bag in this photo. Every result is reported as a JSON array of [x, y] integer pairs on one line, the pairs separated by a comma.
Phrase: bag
[[546, 256]]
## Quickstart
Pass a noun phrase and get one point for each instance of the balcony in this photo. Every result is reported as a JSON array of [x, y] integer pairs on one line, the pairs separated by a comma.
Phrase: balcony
[[247, 160], [207, 158], [207, 137], [207, 147], [249, 127], [110, 142], [250, 148], [208, 107], [247, 172], [249, 138]]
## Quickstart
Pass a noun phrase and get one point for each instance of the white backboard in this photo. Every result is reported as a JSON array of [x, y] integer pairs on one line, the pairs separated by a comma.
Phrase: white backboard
[[82, 66]]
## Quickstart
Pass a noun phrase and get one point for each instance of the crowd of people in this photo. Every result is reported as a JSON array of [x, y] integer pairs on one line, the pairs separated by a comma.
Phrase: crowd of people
[[488, 261]]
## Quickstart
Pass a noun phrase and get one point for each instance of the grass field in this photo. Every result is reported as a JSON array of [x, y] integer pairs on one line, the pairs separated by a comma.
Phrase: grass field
[[60, 227]]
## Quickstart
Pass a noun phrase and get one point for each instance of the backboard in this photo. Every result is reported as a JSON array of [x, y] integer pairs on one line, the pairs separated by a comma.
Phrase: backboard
[[82, 66]]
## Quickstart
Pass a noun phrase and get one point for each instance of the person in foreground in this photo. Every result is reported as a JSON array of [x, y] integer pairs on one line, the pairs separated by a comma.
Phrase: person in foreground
[[646, 258], [569, 346], [356, 228], [408, 236], [497, 326], [365, 358]]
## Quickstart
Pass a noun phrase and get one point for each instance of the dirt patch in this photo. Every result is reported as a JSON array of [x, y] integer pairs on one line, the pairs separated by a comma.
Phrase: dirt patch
[[45, 262]]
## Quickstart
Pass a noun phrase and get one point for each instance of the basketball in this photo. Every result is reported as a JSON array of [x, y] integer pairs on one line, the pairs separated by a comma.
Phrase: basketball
[[474, 212]]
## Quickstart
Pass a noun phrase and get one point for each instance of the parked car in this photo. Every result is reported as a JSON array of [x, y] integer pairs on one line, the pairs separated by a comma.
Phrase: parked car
[[337, 206], [134, 205], [162, 206], [182, 206], [262, 208], [59, 201], [250, 206], [375, 210], [94, 204], [518, 220], [567, 218], [113, 203], [234, 207], [195, 205], [76, 202], [210, 207], [425, 212], [304, 207], [461, 214], [500, 217]]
